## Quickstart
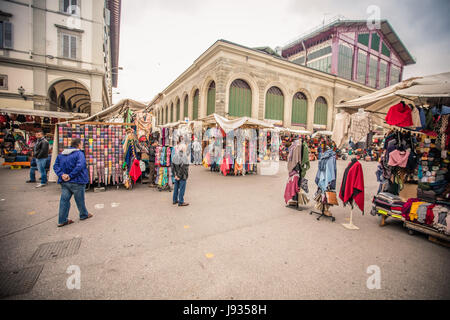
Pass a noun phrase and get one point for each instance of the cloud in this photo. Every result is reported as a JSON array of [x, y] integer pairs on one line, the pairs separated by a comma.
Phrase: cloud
[[161, 38]]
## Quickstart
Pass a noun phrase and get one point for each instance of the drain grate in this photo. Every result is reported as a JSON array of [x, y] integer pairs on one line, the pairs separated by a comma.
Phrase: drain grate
[[56, 250], [13, 283]]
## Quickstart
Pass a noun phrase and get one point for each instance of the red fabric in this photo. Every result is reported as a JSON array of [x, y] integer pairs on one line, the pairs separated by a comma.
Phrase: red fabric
[[291, 188], [355, 182], [225, 166], [135, 171], [430, 215], [399, 115]]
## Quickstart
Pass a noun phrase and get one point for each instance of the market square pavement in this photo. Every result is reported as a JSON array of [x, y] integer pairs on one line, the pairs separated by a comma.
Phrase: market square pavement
[[236, 240]]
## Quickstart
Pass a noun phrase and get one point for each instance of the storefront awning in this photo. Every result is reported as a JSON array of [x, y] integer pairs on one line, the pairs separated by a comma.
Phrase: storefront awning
[[42, 113]]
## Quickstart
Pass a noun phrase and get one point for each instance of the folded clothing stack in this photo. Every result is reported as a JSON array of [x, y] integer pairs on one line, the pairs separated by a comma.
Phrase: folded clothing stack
[[389, 201]]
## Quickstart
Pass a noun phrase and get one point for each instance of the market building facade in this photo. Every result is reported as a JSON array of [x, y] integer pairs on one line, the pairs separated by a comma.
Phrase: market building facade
[[234, 80], [59, 55]]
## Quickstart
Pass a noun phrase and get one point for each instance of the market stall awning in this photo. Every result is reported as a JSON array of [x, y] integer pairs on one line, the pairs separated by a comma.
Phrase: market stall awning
[[172, 124], [283, 129], [42, 113], [231, 124], [117, 109], [418, 89], [322, 133]]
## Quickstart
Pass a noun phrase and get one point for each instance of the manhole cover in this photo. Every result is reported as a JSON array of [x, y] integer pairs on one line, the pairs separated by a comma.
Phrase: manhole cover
[[56, 250], [13, 283]]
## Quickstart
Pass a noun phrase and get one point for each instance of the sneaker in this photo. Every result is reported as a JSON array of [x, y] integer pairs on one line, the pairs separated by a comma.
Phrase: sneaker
[[174, 203], [40, 185], [29, 181], [183, 204]]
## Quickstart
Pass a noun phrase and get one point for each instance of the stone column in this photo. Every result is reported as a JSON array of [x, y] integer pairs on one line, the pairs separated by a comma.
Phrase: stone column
[[221, 92], [310, 118]]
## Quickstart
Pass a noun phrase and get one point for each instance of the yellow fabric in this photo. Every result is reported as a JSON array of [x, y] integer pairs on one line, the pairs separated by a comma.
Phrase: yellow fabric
[[413, 213]]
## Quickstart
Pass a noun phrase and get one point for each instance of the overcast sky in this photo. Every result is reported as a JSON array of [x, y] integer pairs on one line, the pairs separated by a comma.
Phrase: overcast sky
[[161, 38]]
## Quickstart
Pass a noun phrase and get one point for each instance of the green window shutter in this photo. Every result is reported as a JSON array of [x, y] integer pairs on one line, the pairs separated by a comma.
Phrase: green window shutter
[[299, 109], [321, 111], [186, 105], [211, 104], [375, 42], [240, 104], [178, 111], [385, 50], [195, 106], [363, 38], [274, 104]]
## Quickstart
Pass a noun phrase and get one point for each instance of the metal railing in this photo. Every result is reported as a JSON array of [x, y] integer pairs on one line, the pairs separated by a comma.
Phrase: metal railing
[[322, 26]]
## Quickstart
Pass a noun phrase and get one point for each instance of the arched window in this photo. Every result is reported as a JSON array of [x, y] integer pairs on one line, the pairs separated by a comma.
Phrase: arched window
[[177, 111], [299, 110], [166, 113], [211, 105], [171, 112], [274, 104], [195, 106], [240, 102], [321, 111], [162, 115], [186, 106]]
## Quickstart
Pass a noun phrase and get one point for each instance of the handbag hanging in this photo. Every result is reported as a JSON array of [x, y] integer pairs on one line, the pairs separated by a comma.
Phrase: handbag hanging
[[332, 198]]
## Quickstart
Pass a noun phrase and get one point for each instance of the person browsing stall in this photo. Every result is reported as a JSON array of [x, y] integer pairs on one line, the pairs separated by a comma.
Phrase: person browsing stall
[[70, 167]]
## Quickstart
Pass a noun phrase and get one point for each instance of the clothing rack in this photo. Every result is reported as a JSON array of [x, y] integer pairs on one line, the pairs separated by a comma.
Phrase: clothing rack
[[322, 214]]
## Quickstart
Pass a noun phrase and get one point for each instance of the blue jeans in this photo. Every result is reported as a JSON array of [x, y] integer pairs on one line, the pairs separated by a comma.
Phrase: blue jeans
[[179, 188], [67, 190], [33, 173], [41, 167]]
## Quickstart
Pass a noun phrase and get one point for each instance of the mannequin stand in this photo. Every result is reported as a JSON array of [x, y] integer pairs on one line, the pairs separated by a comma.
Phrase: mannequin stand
[[350, 225], [322, 214]]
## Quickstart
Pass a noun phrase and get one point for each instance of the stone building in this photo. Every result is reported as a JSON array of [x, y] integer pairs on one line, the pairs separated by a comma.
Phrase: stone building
[[234, 80], [59, 55]]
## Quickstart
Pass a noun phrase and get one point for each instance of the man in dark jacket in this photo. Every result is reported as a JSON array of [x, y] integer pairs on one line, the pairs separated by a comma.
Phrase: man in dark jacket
[[151, 163], [180, 169], [41, 154], [70, 167]]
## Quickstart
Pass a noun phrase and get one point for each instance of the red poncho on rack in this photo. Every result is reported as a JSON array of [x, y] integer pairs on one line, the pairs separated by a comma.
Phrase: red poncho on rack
[[399, 115], [352, 187], [135, 171]]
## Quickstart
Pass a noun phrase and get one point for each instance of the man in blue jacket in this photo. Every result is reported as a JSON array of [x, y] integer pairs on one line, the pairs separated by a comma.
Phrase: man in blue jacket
[[70, 167]]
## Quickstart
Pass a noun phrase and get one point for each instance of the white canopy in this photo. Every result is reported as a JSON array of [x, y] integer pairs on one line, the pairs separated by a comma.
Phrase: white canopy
[[117, 109], [292, 130], [418, 89], [322, 133], [228, 125], [42, 113]]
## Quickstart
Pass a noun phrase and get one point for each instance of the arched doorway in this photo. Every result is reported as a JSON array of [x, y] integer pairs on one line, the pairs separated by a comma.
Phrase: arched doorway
[[240, 101], [299, 110], [211, 101], [69, 96], [274, 104], [321, 111], [171, 112]]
